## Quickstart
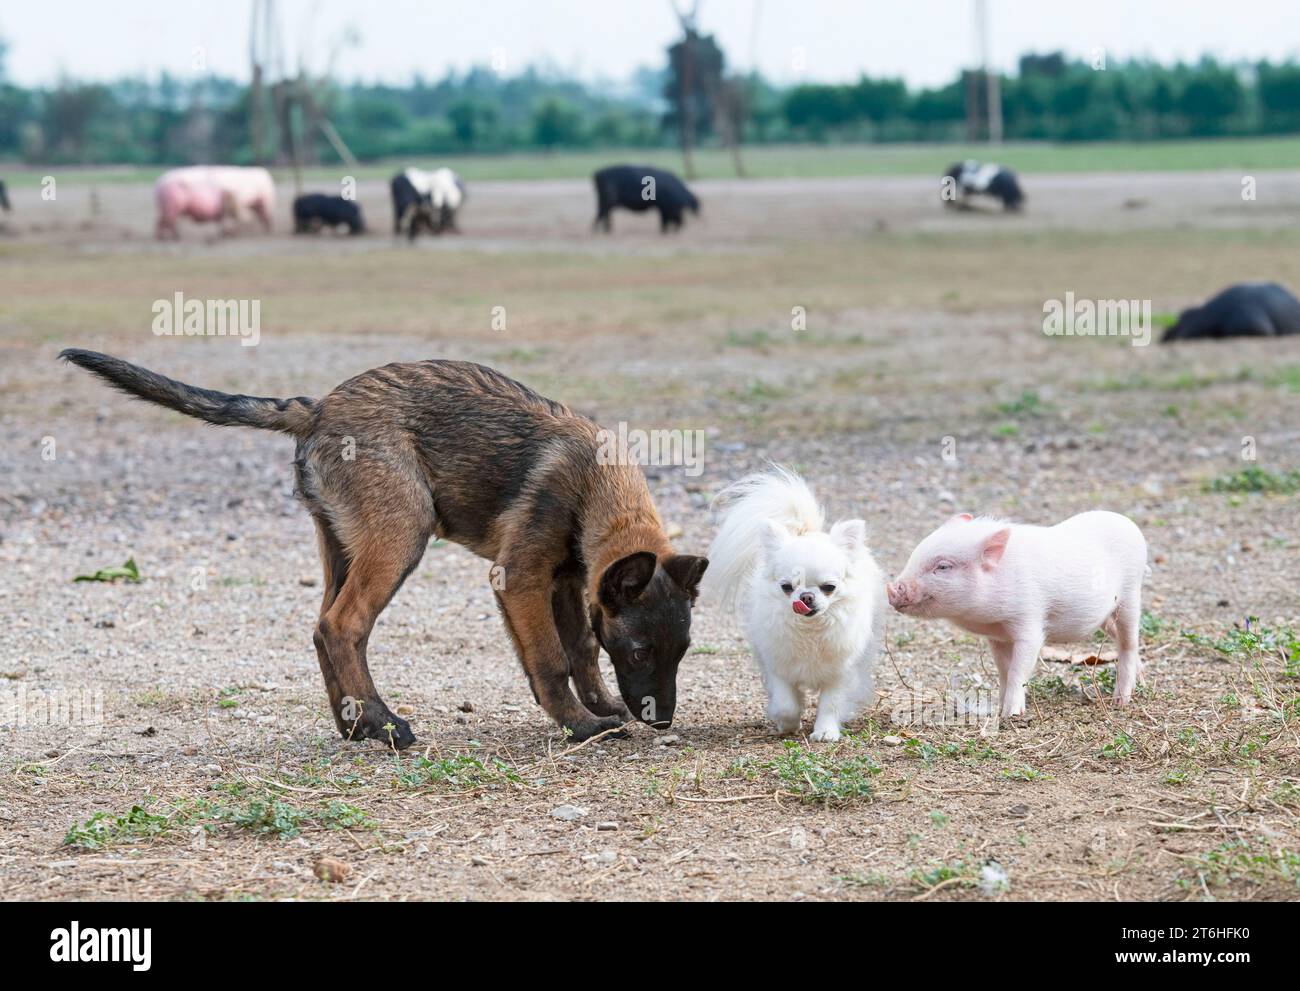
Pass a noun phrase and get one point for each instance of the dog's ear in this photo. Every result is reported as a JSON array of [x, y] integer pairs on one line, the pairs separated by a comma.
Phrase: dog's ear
[[625, 579], [850, 535], [773, 536], [686, 570]]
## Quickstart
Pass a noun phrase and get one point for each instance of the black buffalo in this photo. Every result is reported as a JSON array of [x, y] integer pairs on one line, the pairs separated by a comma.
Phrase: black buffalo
[[1249, 309], [639, 188], [972, 178], [313, 211], [4, 198]]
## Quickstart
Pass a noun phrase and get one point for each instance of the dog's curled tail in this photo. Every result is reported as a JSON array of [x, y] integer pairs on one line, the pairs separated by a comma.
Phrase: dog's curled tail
[[777, 495], [291, 416]]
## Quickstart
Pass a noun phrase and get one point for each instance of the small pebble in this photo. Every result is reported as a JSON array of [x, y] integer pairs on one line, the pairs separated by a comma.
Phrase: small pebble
[[993, 880], [331, 869]]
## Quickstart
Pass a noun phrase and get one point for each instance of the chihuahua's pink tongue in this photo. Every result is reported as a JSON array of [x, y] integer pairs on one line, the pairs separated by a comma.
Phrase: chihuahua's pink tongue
[[800, 607]]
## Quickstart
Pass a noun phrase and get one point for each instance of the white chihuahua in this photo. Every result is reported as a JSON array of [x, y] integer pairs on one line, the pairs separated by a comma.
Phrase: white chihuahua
[[811, 602]]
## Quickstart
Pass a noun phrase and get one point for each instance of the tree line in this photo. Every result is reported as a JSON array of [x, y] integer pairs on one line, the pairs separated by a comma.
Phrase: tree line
[[1050, 97], [1056, 99]]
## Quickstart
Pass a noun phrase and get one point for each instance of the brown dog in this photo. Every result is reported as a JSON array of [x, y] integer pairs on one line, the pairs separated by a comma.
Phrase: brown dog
[[452, 449]]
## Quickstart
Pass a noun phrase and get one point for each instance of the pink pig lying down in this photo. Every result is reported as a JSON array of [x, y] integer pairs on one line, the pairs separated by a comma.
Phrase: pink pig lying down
[[206, 193], [1022, 586]]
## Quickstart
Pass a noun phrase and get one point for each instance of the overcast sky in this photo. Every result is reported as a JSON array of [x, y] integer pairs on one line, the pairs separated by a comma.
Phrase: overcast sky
[[924, 41]]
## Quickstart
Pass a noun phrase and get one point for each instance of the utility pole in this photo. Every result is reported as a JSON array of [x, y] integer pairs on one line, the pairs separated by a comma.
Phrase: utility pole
[[256, 114], [992, 82]]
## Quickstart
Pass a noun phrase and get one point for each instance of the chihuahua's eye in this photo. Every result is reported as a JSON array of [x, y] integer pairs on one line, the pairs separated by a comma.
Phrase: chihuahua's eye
[[641, 655], [787, 588], [827, 589]]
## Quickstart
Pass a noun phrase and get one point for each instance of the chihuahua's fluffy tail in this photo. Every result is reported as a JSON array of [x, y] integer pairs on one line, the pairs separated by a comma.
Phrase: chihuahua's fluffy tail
[[778, 495]]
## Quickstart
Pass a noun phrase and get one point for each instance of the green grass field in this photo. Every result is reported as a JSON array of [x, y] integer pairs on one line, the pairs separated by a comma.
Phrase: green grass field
[[811, 161]]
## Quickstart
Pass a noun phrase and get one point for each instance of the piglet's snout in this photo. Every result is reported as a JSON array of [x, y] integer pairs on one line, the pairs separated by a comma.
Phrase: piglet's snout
[[898, 593]]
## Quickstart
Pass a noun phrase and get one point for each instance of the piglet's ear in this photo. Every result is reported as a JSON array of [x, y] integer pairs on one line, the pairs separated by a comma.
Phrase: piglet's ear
[[962, 518], [851, 535], [994, 547]]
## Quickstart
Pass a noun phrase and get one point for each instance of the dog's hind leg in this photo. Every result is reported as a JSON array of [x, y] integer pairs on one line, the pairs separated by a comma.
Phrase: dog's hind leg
[[574, 626], [335, 565], [380, 562]]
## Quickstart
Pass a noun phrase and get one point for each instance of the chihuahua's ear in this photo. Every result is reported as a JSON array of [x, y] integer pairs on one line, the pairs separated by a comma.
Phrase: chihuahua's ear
[[850, 535], [686, 570], [995, 546], [773, 536], [626, 579]]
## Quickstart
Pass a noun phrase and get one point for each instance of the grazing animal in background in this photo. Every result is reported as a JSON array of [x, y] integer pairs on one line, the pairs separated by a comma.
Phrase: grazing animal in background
[[458, 451], [4, 198], [426, 200], [972, 178], [313, 211], [408, 204], [639, 188], [1023, 586], [811, 600], [207, 193], [1249, 309], [446, 193]]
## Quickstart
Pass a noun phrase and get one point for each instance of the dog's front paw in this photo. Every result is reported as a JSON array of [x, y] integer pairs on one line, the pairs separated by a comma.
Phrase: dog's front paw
[[376, 721], [825, 734], [610, 707], [785, 720], [578, 730], [785, 724]]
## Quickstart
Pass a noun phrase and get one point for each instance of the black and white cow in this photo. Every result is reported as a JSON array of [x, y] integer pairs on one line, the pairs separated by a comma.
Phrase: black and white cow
[[639, 188], [313, 211], [4, 198], [1248, 309], [426, 200], [972, 178]]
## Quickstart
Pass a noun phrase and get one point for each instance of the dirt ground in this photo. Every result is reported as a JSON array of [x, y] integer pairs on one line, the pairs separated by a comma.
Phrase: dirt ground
[[921, 385]]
